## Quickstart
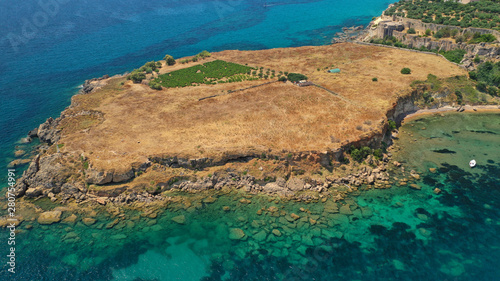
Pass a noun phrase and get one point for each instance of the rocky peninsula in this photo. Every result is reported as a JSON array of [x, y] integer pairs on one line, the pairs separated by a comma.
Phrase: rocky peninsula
[[121, 142]]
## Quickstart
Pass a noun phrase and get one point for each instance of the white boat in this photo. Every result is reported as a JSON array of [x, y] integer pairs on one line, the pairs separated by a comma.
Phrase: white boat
[[472, 163]]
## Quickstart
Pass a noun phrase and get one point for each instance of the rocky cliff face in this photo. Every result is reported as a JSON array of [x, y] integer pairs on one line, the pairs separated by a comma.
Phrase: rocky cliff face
[[396, 26]]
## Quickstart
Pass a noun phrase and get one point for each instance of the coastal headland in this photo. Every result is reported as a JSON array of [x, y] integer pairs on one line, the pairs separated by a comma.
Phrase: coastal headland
[[121, 141]]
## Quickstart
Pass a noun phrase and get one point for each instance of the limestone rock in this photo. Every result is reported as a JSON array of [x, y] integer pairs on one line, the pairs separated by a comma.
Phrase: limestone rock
[[295, 184], [209, 200], [99, 177], [34, 192], [236, 234], [18, 162], [272, 188], [121, 176], [70, 220], [49, 217], [260, 236], [179, 219], [366, 212], [101, 200], [345, 210], [276, 232], [48, 132], [414, 186], [118, 236], [331, 207], [370, 179], [88, 221]]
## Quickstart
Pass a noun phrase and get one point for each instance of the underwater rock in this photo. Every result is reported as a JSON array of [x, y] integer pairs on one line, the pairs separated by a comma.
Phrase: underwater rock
[[307, 240], [331, 207], [70, 235], [70, 220], [18, 162], [236, 234], [399, 265], [209, 200], [179, 219], [345, 210], [276, 232], [260, 236], [4, 221], [437, 190], [49, 217], [19, 153], [118, 236], [366, 212], [272, 209], [340, 219], [453, 268], [88, 221], [245, 201], [424, 232], [432, 170], [111, 224], [414, 186]]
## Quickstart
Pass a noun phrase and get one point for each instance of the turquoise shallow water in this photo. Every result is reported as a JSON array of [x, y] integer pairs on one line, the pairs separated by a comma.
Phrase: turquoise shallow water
[[385, 234]]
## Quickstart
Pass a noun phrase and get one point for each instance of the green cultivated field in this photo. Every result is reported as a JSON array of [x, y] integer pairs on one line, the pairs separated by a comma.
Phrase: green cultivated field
[[208, 73]]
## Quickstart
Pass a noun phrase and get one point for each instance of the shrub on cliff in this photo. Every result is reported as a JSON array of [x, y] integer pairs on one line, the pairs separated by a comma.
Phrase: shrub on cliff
[[137, 76], [204, 54], [411, 31], [359, 154], [169, 59], [406, 70], [478, 38], [392, 125]]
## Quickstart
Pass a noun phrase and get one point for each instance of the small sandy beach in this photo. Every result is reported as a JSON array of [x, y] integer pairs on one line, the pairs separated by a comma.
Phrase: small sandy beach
[[466, 108]]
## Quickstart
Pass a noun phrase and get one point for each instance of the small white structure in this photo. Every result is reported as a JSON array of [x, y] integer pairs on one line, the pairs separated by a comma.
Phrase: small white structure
[[472, 163]]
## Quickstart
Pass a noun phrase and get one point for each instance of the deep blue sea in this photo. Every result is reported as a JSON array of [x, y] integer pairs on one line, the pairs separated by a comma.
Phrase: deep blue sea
[[49, 47]]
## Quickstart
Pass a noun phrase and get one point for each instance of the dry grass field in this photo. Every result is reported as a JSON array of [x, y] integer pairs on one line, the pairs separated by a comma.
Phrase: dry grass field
[[139, 121]]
